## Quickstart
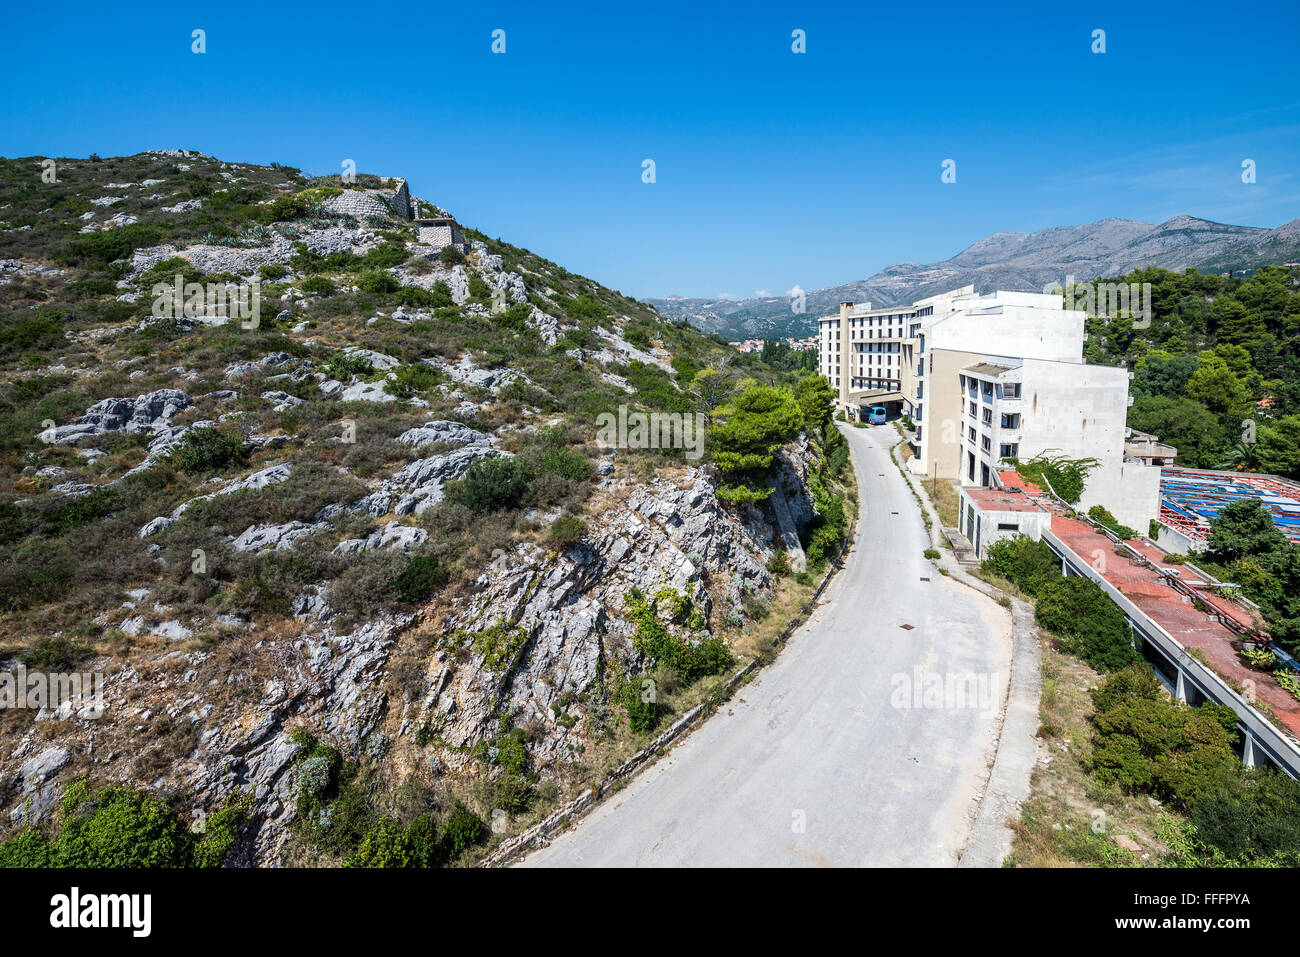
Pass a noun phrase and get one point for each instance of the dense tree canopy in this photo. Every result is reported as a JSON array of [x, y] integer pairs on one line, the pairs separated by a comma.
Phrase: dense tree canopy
[[1216, 372]]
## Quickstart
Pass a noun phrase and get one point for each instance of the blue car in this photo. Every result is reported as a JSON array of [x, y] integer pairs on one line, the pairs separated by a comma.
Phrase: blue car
[[876, 415]]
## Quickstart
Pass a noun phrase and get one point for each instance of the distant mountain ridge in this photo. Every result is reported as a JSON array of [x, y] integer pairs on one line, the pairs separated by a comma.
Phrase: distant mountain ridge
[[1024, 262]]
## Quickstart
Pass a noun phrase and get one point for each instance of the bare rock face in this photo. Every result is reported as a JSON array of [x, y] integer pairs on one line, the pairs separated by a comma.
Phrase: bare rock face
[[329, 682], [443, 432], [419, 485], [567, 607], [144, 413]]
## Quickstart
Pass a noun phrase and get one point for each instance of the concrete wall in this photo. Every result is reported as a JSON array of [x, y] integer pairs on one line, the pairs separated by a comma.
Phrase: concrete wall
[[1028, 524], [1080, 410], [941, 408], [1012, 330], [1172, 540]]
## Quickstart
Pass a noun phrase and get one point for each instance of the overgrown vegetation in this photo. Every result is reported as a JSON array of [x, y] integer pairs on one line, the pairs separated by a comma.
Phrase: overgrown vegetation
[[1084, 620], [117, 827]]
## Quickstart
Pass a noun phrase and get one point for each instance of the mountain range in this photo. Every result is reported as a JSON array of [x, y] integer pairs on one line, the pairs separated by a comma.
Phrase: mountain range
[[1023, 262]]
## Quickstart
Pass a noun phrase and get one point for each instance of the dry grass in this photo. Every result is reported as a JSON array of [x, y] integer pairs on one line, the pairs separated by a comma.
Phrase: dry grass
[[943, 495]]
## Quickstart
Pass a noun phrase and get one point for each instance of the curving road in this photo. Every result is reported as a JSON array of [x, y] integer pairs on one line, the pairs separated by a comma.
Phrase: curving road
[[832, 757]]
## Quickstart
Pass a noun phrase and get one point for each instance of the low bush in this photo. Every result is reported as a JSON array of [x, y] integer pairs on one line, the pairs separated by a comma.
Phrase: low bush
[[117, 827], [489, 484], [421, 579], [567, 530], [209, 450]]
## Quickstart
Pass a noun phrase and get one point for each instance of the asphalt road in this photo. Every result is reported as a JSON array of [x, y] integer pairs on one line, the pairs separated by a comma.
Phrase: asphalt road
[[832, 757]]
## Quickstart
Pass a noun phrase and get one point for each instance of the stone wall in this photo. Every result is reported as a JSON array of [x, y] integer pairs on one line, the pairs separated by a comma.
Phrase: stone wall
[[360, 203], [374, 202], [441, 234], [400, 200]]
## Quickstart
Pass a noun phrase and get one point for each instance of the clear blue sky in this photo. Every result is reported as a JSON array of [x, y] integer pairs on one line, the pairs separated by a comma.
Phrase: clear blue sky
[[773, 168]]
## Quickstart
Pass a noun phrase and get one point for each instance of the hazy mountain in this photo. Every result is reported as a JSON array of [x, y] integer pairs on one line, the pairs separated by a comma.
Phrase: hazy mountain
[[1013, 261]]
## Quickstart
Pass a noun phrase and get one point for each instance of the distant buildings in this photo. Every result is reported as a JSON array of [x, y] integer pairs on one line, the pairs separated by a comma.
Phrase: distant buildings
[[756, 345], [984, 378]]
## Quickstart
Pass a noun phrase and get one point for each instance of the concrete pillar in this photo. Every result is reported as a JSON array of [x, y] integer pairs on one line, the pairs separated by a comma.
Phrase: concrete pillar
[[1248, 750], [1180, 690], [846, 352]]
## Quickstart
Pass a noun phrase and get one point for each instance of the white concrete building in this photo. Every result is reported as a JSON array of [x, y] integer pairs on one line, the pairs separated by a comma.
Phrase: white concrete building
[[984, 378], [988, 515]]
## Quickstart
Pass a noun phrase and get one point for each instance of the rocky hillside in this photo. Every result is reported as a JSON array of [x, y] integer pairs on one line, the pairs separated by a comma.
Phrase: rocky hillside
[[1023, 262], [354, 567]]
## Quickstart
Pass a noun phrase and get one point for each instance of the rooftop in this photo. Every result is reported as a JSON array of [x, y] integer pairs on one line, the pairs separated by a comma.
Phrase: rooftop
[[1001, 500], [1189, 498], [986, 368], [1145, 585], [1013, 479]]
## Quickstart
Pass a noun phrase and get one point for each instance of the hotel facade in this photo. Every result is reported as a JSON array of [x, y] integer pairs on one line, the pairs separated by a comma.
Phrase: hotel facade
[[982, 378]]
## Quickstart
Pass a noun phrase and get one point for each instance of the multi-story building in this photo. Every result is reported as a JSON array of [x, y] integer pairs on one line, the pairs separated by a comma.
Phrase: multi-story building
[[986, 378], [860, 350]]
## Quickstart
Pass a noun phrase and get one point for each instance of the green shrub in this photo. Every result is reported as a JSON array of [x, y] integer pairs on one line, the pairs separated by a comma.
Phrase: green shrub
[[412, 380], [688, 660], [377, 281], [931, 553], [1103, 517], [109, 245], [421, 579], [567, 530], [209, 450], [1028, 564], [344, 365], [284, 209], [1066, 476], [1147, 743], [38, 333], [489, 484], [1254, 818], [464, 829], [1089, 625], [55, 653], [385, 256], [273, 271], [779, 564], [417, 297], [317, 286], [450, 255], [390, 845], [643, 710], [584, 307], [568, 464], [117, 827]]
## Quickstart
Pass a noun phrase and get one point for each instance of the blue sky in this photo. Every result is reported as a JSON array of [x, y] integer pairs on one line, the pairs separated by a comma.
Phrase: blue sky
[[772, 168]]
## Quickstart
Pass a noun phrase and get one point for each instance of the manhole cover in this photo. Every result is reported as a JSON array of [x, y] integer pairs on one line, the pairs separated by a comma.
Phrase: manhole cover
[[925, 579], [907, 627], [893, 513]]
